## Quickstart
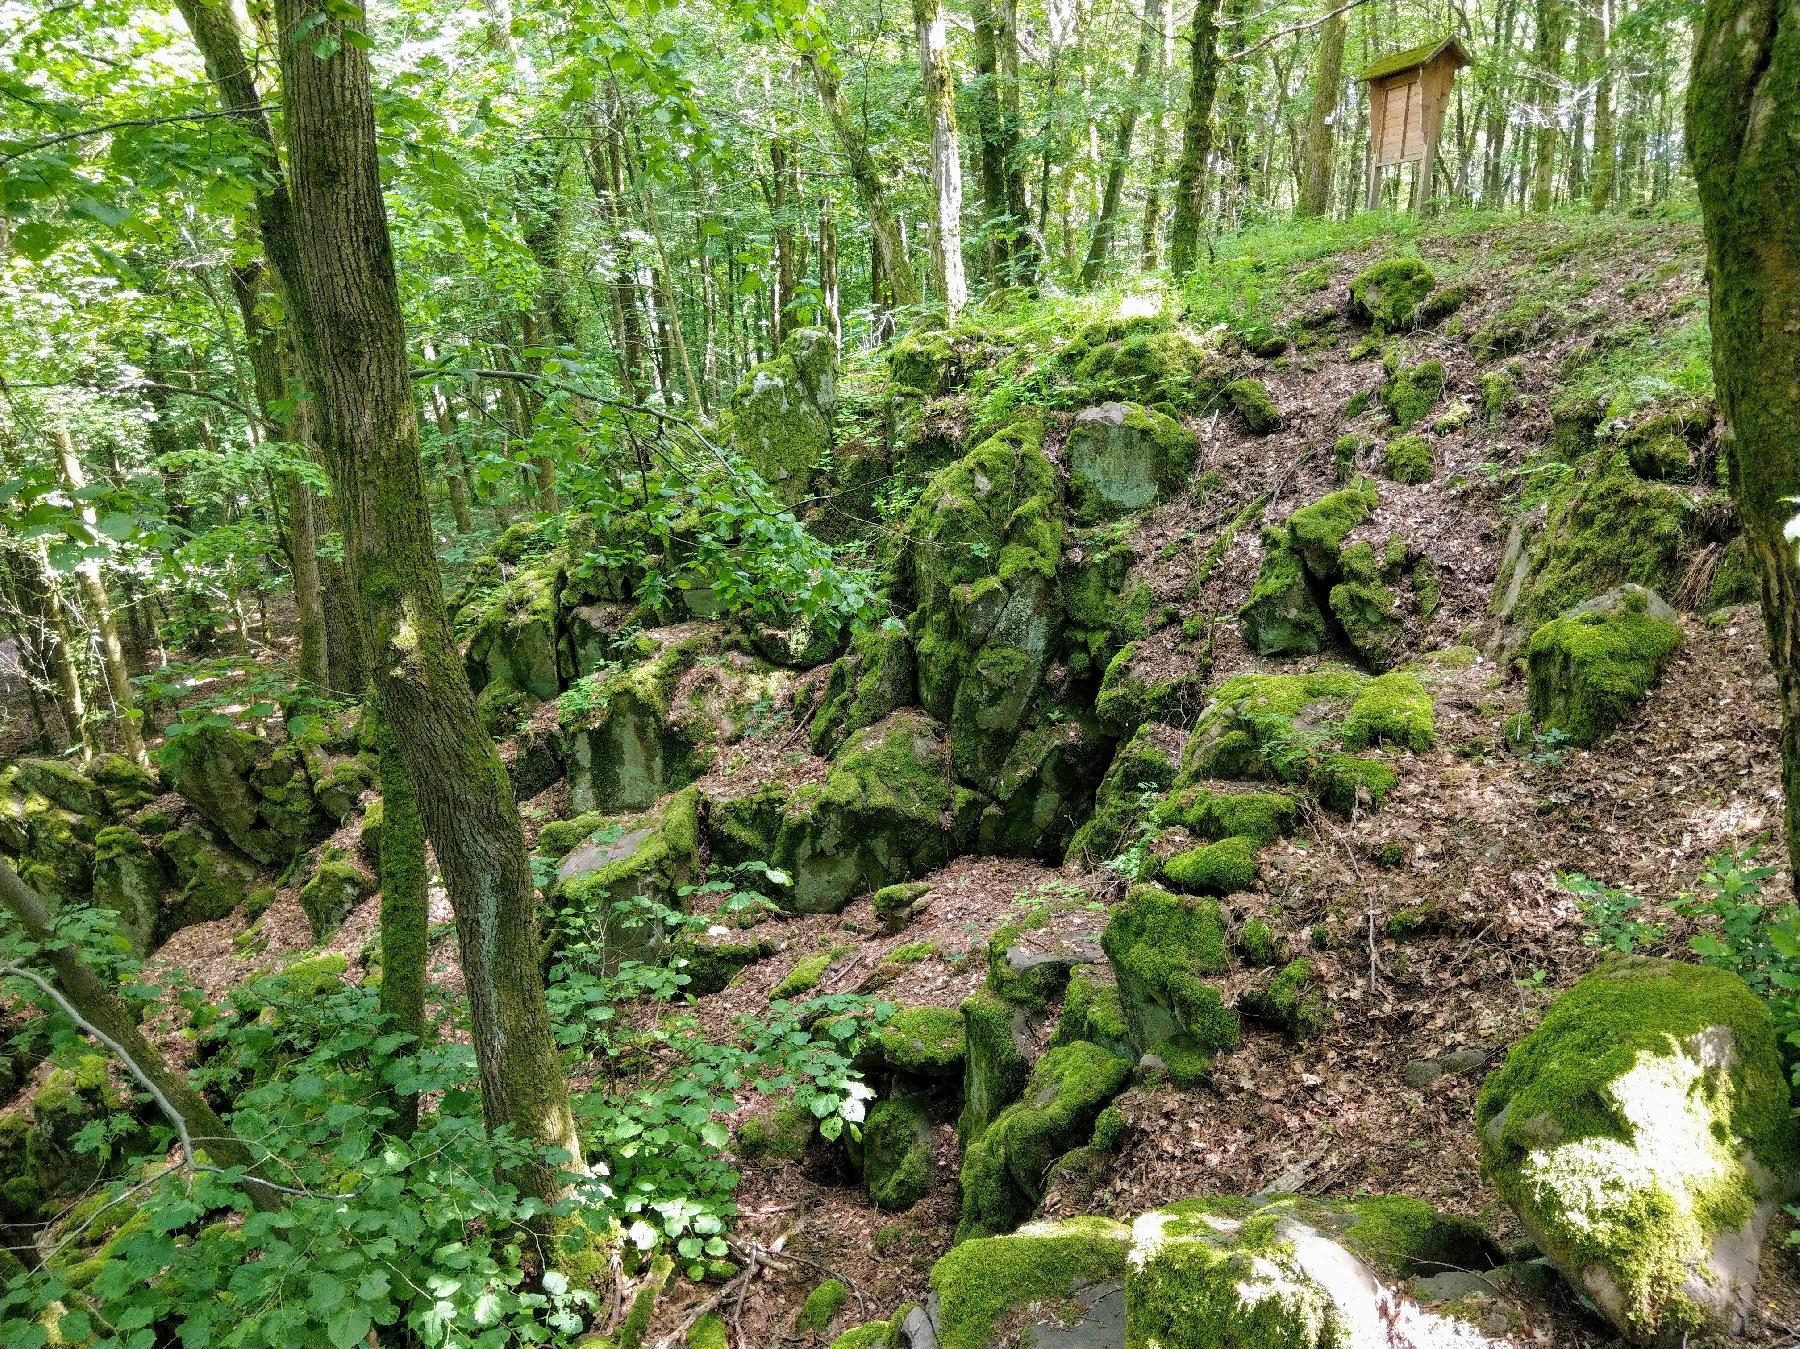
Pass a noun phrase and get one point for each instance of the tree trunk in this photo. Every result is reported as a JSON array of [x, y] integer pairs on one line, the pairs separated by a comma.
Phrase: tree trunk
[[606, 175], [888, 247], [1196, 138], [1605, 172], [990, 144], [347, 312], [1552, 19], [1321, 148], [63, 658], [404, 911], [100, 610], [946, 156], [1100, 245], [1743, 136], [783, 189], [828, 272], [1497, 97]]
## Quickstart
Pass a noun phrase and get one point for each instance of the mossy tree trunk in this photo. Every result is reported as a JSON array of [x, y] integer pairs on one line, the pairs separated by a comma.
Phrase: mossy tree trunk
[[1196, 138], [1605, 171], [351, 336], [1552, 25], [1321, 144], [404, 910], [1118, 159], [1743, 136]]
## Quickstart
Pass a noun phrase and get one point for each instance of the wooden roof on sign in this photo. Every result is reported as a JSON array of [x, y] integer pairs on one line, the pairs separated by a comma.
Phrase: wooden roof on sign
[[1413, 57]]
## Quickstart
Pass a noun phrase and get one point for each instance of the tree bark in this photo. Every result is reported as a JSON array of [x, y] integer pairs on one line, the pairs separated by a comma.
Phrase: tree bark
[[1605, 168], [100, 610], [1321, 146], [404, 910], [1196, 138], [347, 313], [889, 248], [1743, 137], [946, 155], [1552, 20]]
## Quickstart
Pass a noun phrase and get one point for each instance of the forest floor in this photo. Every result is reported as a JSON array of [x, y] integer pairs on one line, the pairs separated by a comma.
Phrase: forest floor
[[1484, 829]]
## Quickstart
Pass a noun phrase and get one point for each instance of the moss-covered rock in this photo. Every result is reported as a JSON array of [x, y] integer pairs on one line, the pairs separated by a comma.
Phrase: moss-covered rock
[[1093, 1011], [1733, 580], [1407, 459], [1366, 609], [880, 816], [899, 1162], [1215, 813], [1604, 527], [985, 541], [987, 1285], [1317, 532], [618, 882], [260, 799], [1392, 709], [1250, 399], [997, 1039], [1291, 1000], [1351, 783], [1104, 606], [1282, 616], [1003, 1169], [209, 879], [804, 975], [1143, 767], [713, 958], [895, 904], [336, 888], [1139, 360], [622, 738], [1162, 948], [1269, 726], [924, 1041], [1643, 1134], [1046, 786], [70, 1098], [1221, 868], [1123, 458], [129, 880], [924, 362], [1410, 393], [512, 627], [63, 785], [782, 1133], [779, 417], [877, 676], [1590, 668], [1387, 296], [1129, 696]]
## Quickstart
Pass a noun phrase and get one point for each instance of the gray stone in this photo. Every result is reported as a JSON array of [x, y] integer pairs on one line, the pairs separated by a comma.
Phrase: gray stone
[[1421, 1073]]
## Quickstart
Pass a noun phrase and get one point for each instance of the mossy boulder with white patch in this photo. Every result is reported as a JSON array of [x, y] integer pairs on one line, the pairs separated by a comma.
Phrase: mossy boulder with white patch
[[1163, 948], [884, 814], [985, 542], [1589, 669], [1644, 1136], [1123, 458], [778, 419], [1004, 1169]]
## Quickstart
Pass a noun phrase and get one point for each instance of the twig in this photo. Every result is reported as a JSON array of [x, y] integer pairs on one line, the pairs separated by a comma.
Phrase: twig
[[104, 127]]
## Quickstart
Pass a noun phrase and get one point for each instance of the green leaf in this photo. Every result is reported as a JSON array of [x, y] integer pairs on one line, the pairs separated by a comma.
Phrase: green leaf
[[347, 1327]]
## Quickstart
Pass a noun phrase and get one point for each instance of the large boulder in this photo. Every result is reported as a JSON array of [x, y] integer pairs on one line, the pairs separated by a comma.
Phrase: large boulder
[[1163, 947], [209, 879], [885, 813], [1643, 1135], [899, 1163], [1004, 1169], [512, 631], [1387, 296], [622, 741], [1590, 668], [130, 880], [62, 785], [623, 876], [985, 541], [260, 798], [876, 676], [1046, 788], [335, 888], [779, 417], [1123, 457]]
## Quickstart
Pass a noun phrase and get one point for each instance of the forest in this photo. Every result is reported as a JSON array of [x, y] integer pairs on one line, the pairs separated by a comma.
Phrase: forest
[[1093, 674]]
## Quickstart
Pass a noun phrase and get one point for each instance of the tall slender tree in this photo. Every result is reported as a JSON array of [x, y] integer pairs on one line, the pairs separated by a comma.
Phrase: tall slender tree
[[1196, 138], [946, 154], [1320, 152], [346, 312], [1148, 45]]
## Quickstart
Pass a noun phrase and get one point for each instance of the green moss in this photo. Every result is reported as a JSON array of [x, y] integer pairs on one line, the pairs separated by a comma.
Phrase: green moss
[[779, 417], [1292, 1000], [1394, 709], [1110, 1130], [1625, 1142], [1318, 531], [1267, 726], [805, 975], [924, 362], [1138, 360], [1606, 526], [1409, 395], [784, 1133], [1250, 400], [1407, 459], [1003, 1170], [928, 1041], [1589, 671], [995, 1068], [1162, 946], [1734, 580], [1123, 458], [709, 1332], [982, 1282], [912, 953], [1221, 868], [1347, 454], [1369, 614], [1258, 943], [1497, 393], [1282, 617], [821, 1306], [335, 889], [899, 1164], [1387, 295], [871, 1335], [1092, 1011], [877, 676], [894, 903], [1345, 780], [1261, 817]]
